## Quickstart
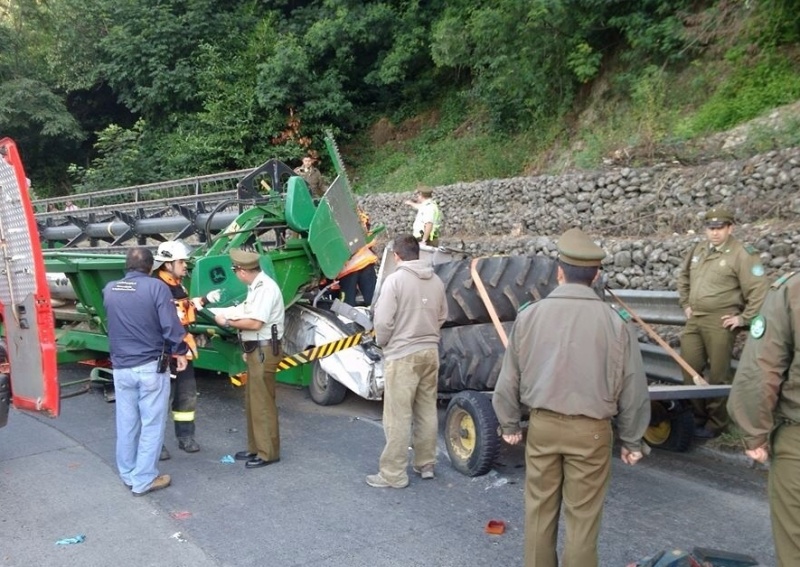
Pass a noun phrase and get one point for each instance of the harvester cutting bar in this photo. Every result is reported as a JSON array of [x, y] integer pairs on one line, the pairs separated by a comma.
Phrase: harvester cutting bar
[[201, 185], [121, 227]]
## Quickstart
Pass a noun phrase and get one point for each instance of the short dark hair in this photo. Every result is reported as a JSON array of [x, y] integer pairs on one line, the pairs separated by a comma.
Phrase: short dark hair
[[578, 274], [139, 260], [406, 246]]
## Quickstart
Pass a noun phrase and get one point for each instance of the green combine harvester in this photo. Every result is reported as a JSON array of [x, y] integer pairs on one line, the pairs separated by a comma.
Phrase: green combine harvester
[[304, 243]]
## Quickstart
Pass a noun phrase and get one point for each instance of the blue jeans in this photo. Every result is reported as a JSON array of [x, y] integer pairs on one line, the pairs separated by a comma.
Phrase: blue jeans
[[142, 399]]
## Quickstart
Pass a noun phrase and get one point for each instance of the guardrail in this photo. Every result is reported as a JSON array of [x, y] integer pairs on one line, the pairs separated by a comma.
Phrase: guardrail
[[654, 307], [661, 308]]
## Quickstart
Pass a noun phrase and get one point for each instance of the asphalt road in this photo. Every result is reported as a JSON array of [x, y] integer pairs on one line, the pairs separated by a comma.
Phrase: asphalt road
[[58, 480]]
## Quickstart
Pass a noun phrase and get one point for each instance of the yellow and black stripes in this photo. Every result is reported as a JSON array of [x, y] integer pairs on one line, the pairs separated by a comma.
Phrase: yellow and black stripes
[[320, 351]]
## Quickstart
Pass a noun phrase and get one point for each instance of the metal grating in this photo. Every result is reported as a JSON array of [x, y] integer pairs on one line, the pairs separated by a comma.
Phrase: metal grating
[[17, 272]]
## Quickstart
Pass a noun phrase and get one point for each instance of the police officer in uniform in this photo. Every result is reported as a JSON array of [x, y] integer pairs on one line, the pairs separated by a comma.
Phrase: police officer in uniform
[[765, 403], [721, 287], [429, 217], [575, 364], [311, 175], [259, 321], [170, 267]]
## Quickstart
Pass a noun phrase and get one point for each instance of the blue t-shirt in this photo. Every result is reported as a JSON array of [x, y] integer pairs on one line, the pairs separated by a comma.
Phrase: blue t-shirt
[[142, 320]]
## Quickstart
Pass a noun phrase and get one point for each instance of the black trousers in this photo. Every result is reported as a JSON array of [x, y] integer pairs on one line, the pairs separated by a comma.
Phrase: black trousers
[[183, 401]]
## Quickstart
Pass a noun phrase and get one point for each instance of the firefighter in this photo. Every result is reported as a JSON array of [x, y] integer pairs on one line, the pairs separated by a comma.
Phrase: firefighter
[[358, 274], [170, 267]]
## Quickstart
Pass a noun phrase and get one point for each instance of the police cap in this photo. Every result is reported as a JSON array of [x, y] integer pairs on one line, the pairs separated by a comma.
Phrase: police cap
[[577, 249], [719, 217], [244, 259], [425, 191]]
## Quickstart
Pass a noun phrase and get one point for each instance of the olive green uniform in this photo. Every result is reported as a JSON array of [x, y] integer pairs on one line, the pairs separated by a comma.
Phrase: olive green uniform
[[576, 364], [717, 281], [765, 403], [313, 179]]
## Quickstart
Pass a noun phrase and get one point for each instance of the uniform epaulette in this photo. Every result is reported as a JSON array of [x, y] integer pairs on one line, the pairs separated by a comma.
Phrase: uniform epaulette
[[783, 279], [524, 306], [623, 313], [750, 249]]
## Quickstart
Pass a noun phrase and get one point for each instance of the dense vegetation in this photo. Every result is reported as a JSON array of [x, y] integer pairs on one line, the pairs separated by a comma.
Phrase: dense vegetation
[[103, 93]]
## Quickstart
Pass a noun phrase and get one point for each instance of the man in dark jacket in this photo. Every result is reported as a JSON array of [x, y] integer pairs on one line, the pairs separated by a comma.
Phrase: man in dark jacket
[[408, 316], [143, 332]]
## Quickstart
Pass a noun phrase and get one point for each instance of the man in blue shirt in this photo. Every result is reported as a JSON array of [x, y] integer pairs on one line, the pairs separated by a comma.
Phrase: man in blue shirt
[[143, 326]]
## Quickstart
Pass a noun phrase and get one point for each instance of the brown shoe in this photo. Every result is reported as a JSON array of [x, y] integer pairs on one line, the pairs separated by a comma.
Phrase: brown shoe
[[425, 471], [161, 481], [377, 481]]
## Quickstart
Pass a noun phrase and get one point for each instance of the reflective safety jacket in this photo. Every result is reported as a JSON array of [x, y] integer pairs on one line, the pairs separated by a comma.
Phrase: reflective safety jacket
[[361, 259], [186, 311]]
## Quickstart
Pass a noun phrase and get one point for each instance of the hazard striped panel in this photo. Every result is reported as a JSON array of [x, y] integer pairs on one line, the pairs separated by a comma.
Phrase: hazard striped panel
[[321, 351]]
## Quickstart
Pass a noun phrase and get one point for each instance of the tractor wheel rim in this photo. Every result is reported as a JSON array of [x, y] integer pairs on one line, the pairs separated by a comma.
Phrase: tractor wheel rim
[[462, 434], [658, 434]]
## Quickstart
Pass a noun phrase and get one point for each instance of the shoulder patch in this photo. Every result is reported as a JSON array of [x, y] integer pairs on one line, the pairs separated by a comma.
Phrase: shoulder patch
[[783, 279], [757, 326], [750, 249], [623, 313], [524, 306], [757, 270]]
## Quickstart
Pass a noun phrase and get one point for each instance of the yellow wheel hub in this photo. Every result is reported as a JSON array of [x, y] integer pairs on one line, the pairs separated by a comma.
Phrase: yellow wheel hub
[[658, 434], [462, 434]]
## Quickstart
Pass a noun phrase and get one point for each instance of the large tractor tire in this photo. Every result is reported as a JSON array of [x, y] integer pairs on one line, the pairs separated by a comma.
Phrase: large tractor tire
[[323, 389], [470, 357], [671, 425], [510, 281], [471, 433]]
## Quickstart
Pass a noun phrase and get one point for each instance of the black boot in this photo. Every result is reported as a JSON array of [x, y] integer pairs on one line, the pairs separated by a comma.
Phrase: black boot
[[188, 444]]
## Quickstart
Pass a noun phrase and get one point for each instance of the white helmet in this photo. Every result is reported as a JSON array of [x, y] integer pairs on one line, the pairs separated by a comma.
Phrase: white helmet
[[170, 251]]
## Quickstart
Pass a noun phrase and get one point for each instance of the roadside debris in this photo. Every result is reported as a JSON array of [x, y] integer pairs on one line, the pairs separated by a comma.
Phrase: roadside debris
[[495, 527], [71, 540]]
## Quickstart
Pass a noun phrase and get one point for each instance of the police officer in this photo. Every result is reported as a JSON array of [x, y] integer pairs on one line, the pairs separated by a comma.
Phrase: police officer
[[259, 321], [721, 287], [143, 330], [765, 403], [311, 175], [170, 264], [429, 217], [574, 362]]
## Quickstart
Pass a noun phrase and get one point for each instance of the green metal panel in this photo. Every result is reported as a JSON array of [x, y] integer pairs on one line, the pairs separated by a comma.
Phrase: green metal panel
[[329, 245], [300, 206]]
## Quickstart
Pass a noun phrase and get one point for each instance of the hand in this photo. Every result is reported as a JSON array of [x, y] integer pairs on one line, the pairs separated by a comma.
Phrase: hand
[[214, 296], [181, 362], [732, 321], [197, 302], [630, 457], [221, 320], [688, 312], [760, 454], [512, 438]]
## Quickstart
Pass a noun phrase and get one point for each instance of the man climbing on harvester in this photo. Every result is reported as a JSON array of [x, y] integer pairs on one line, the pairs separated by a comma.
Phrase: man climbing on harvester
[[170, 267]]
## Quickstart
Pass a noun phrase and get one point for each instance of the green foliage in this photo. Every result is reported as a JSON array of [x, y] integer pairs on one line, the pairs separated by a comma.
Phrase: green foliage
[[528, 57], [769, 81], [124, 160], [224, 84]]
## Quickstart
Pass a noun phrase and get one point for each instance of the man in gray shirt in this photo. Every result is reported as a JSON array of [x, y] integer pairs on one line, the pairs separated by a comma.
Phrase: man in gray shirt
[[409, 313]]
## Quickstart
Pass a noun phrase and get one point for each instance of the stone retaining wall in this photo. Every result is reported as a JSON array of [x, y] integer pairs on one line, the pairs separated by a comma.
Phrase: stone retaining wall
[[646, 218]]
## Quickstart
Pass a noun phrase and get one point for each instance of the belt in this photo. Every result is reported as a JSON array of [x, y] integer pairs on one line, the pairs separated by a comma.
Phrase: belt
[[565, 416], [250, 346]]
